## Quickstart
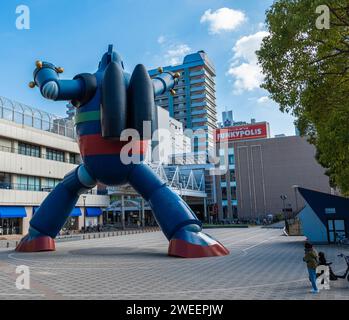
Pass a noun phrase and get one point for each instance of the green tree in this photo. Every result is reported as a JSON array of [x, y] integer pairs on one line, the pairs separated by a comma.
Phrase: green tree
[[307, 73]]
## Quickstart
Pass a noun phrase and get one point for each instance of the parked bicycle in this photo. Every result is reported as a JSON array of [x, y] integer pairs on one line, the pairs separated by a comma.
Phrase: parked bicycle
[[341, 239]]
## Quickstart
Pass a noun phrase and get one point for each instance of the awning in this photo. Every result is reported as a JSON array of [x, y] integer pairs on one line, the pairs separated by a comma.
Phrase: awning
[[93, 212], [76, 212], [12, 212]]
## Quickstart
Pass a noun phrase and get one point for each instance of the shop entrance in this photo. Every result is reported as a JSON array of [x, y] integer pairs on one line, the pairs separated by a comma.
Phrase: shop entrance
[[10, 226]]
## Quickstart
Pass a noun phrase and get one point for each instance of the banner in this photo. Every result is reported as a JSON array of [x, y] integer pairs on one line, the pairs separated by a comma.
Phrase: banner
[[244, 132]]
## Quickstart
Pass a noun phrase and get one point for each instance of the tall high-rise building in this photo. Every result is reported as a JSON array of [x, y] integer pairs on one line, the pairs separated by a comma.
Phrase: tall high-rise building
[[194, 103]]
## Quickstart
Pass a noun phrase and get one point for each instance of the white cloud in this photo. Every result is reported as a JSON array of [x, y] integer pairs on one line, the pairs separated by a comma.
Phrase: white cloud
[[161, 39], [172, 51], [261, 26], [176, 52], [263, 100], [223, 19], [244, 66]]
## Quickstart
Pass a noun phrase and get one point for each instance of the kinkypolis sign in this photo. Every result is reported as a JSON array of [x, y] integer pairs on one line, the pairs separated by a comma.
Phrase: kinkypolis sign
[[244, 132]]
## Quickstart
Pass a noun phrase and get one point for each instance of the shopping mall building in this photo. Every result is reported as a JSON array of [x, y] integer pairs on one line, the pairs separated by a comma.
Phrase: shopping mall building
[[257, 171], [37, 150]]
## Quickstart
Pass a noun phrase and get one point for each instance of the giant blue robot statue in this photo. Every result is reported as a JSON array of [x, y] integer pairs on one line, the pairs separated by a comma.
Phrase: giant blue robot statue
[[108, 102]]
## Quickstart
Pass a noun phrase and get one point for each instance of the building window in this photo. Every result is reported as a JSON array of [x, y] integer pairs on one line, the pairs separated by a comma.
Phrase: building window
[[74, 158], [28, 183], [5, 180], [233, 193], [29, 150], [232, 175], [231, 159], [56, 155], [224, 193], [50, 184]]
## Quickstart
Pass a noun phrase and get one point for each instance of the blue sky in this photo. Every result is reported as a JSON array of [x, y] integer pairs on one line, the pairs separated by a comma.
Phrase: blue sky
[[74, 35]]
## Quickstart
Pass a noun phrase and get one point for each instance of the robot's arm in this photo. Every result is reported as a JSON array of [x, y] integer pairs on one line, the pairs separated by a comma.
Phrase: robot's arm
[[165, 81], [78, 91]]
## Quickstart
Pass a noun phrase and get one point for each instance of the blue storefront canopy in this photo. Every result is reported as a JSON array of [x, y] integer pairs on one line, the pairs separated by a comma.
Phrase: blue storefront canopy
[[12, 212], [76, 212], [93, 212]]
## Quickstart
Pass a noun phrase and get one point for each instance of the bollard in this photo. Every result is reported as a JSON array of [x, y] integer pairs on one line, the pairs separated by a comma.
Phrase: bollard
[[8, 244]]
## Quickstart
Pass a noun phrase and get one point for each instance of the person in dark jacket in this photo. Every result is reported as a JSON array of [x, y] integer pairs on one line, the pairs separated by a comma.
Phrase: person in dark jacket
[[311, 259]]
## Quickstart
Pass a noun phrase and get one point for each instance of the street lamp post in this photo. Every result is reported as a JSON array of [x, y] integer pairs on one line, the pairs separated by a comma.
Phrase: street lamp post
[[84, 199], [283, 198]]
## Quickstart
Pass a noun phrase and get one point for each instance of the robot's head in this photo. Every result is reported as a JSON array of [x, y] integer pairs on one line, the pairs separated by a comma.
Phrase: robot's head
[[110, 56]]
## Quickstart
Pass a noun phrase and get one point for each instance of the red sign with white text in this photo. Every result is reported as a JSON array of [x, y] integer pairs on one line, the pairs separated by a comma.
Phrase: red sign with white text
[[244, 132]]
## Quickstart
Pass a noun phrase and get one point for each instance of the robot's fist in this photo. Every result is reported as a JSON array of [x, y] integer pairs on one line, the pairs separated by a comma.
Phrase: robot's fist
[[50, 90]]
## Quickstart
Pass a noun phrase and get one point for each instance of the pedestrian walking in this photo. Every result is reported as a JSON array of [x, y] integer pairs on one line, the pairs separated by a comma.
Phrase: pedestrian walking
[[312, 260]]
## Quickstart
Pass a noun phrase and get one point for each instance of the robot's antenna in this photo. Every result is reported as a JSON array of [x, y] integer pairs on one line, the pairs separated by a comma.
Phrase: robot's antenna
[[110, 52]]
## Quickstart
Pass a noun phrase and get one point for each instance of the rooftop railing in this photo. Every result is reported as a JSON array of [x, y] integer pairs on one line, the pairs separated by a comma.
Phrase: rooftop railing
[[35, 118]]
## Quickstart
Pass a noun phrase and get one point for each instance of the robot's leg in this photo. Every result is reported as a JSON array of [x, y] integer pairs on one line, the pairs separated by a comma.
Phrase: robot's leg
[[54, 211], [178, 222]]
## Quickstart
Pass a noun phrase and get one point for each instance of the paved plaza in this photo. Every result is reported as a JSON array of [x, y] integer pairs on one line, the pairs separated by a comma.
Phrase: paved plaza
[[263, 264]]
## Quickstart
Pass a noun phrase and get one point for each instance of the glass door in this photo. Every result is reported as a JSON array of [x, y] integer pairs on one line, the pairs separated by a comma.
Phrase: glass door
[[336, 229]]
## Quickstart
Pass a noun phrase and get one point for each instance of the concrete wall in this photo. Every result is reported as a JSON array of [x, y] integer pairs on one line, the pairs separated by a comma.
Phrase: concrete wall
[[267, 168], [20, 164]]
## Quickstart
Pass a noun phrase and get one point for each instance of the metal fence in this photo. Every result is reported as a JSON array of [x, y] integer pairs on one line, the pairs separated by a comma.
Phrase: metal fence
[[28, 116]]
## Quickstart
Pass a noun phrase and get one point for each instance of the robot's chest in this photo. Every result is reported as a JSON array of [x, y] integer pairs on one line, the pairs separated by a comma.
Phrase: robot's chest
[[95, 144]]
